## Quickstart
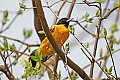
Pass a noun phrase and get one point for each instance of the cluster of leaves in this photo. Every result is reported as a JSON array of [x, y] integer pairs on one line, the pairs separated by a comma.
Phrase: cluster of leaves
[[27, 33], [90, 19], [30, 70], [108, 71], [6, 46]]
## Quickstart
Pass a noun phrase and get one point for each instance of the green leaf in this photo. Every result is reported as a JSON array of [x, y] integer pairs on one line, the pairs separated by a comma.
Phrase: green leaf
[[59, 75], [112, 39], [67, 47], [106, 70], [74, 75], [110, 47], [20, 12], [29, 70], [117, 4], [5, 14], [1, 48], [27, 33], [104, 33], [5, 44], [72, 29], [38, 56], [86, 25], [4, 19], [86, 15], [41, 32], [114, 27], [97, 13], [110, 70], [22, 6], [13, 47], [15, 62], [101, 52], [87, 45], [100, 62], [89, 20], [100, 1]]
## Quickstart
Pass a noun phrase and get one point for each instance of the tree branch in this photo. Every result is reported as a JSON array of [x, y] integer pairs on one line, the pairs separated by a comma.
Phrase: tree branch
[[37, 22], [7, 73], [71, 64]]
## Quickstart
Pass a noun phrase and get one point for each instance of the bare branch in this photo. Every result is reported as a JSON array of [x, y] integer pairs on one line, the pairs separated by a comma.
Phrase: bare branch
[[5, 71]]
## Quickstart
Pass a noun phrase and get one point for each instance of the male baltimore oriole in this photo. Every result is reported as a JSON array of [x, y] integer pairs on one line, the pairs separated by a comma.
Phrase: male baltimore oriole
[[60, 33]]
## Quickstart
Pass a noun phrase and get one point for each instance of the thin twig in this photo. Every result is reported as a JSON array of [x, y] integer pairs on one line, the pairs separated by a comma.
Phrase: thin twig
[[51, 9], [93, 59], [102, 58], [58, 11], [86, 55], [49, 69], [70, 9], [106, 6], [53, 3], [20, 41], [111, 58]]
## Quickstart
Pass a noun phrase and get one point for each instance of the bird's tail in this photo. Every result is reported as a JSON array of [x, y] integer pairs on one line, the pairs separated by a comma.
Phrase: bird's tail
[[27, 57], [24, 58]]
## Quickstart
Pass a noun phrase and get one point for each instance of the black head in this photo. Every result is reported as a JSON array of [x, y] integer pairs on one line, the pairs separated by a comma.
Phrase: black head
[[64, 21]]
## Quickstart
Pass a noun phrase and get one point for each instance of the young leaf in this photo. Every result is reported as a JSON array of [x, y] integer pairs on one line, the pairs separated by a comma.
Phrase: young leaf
[[100, 62], [41, 32], [106, 70], [1, 48], [110, 70], [27, 33], [59, 75], [22, 6], [97, 13], [5, 44], [4, 19], [72, 29], [117, 4], [74, 75], [15, 62], [89, 20], [67, 47], [104, 33], [114, 27], [38, 56], [101, 52], [86, 25], [13, 47], [86, 15], [110, 47], [20, 12], [87, 45]]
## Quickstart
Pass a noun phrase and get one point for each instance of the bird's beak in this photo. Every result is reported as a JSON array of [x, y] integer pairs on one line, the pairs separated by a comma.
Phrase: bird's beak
[[70, 19]]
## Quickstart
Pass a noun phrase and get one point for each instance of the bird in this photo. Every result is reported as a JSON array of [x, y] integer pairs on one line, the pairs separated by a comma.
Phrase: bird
[[60, 32]]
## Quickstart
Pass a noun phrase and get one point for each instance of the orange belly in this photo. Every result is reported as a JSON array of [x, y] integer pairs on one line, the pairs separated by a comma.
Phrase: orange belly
[[60, 35]]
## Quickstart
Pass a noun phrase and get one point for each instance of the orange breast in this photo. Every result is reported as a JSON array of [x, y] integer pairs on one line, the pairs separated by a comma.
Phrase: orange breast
[[60, 34]]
